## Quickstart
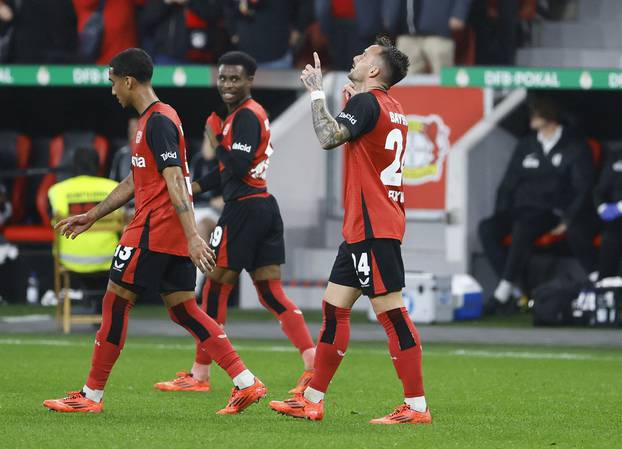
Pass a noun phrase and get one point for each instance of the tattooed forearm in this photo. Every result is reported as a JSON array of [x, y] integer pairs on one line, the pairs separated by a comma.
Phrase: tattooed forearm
[[178, 192], [328, 131], [115, 199], [181, 208]]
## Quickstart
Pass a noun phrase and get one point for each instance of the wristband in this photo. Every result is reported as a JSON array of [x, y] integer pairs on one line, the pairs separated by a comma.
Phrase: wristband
[[318, 95]]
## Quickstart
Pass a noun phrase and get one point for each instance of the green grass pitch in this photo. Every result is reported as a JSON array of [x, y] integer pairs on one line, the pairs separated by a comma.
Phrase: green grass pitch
[[480, 397]]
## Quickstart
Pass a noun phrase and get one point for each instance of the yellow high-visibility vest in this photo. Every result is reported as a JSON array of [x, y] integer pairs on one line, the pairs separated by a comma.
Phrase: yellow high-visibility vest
[[92, 250]]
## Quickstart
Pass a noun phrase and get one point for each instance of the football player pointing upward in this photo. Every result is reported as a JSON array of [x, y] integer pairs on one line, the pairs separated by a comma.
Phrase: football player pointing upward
[[373, 128]]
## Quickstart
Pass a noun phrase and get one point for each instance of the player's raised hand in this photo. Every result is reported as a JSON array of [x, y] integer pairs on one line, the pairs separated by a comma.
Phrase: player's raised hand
[[73, 226], [311, 76], [201, 254]]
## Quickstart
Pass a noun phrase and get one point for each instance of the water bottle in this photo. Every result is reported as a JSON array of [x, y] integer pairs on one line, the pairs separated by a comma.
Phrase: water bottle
[[32, 289]]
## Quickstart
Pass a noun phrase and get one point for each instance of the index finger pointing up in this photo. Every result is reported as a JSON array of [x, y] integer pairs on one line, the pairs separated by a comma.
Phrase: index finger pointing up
[[316, 58]]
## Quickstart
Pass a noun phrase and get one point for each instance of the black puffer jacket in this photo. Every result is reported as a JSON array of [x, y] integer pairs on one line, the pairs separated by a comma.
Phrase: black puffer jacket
[[561, 181]]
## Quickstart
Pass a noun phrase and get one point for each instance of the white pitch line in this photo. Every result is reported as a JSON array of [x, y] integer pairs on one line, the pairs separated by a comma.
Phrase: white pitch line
[[472, 353], [25, 318]]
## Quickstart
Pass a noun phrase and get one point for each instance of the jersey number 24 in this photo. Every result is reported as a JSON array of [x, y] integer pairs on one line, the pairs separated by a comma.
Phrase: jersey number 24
[[392, 175]]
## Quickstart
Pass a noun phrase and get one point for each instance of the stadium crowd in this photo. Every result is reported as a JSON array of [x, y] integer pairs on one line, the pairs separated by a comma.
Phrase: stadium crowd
[[277, 33]]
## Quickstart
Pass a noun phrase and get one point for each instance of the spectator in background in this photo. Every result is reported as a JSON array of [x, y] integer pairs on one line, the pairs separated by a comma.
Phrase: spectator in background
[[546, 188], [119, 20], [608, 198], [425, 30], [269, 30], [350, 25], [177, 31], [496, 28], [6, 29], [338, 23], [44, 32]]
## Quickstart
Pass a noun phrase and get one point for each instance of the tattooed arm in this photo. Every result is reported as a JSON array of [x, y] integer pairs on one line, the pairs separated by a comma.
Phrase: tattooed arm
[[202, 256], [330, 133], [75, 225]]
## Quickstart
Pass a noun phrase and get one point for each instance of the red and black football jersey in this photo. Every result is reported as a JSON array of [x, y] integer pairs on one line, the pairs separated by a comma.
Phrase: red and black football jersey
[[374, 157], [244, 151], [160, 143]]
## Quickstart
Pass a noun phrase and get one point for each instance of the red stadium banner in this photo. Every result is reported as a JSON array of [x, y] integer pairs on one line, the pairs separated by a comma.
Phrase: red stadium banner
[[437, 118]]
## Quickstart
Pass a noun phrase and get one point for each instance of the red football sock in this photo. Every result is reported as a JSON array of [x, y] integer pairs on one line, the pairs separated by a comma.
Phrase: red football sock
[[215, 297], [109, 339], [405, 350], [209, 336], [273, 298], [332, 345]]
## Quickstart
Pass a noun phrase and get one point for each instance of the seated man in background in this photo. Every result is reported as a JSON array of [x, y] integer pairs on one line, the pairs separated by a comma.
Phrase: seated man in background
[[92, 253], [608, 198], [546, 188]]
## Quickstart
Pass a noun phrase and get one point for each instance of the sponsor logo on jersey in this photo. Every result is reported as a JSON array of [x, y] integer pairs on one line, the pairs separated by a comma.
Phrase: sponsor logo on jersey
[[169, 155], [139, 136], [138, 161], [241, 146], [427, 147], [348, 117], [226, 129]]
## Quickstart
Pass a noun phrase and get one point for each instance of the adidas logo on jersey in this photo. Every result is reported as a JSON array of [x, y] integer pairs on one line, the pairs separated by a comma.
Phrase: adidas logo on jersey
[[241, 147], [169, 155], [138, 161], [348, 117]]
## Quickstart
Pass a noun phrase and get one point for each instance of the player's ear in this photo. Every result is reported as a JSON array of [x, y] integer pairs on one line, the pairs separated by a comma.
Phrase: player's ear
[[374, 71]]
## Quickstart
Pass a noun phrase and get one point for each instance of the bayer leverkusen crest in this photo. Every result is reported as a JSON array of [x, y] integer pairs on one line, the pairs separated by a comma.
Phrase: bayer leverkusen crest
[[427, 147]]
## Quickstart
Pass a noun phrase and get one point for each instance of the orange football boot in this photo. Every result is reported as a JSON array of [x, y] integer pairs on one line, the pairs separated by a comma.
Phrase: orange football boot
[[403, 414], [74, 402], [241, 399], [299, 407], [184, 382], [303, 382]]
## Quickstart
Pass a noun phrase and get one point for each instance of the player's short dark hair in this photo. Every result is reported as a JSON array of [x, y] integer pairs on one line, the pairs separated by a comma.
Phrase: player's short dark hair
[[545, 107], [239, 58], [134, 62], [395, 60], [85, 162]]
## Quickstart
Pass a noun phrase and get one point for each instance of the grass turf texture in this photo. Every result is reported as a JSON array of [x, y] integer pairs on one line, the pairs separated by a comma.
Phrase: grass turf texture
[[480, 397]]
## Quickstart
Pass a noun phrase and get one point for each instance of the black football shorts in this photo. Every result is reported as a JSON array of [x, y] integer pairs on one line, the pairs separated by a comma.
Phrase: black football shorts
[[137, 268], [375, 266], [249, 234]]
